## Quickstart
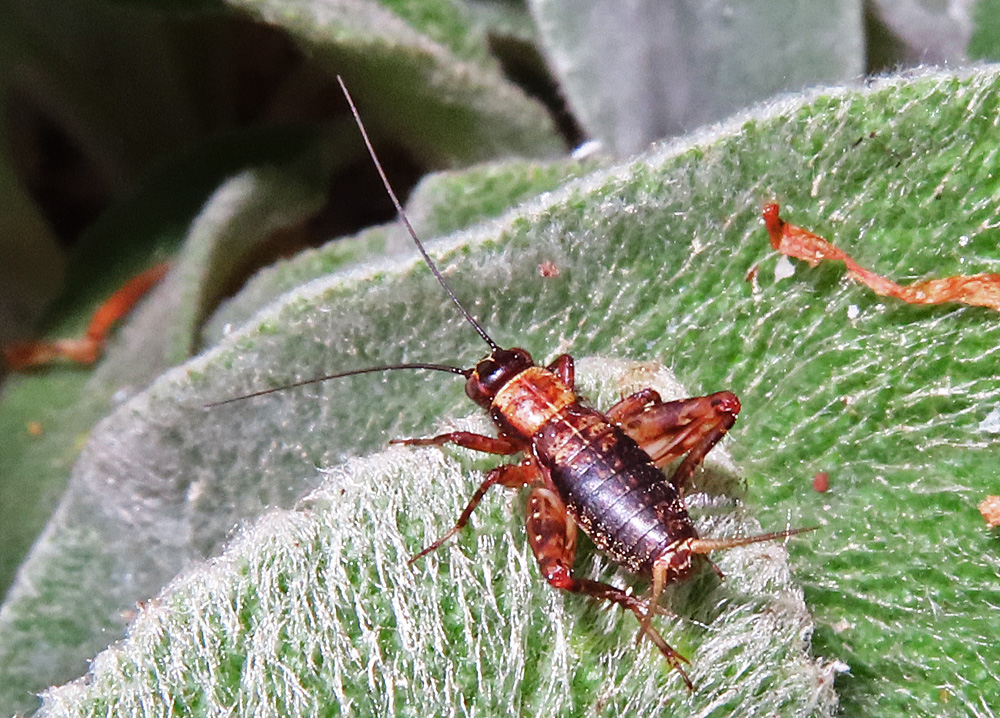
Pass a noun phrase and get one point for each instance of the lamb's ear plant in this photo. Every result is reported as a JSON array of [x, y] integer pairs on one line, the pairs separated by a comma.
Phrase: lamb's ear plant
[[313, 606], [252, 558]]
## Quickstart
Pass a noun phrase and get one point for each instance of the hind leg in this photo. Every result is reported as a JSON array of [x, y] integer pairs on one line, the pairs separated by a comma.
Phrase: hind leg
[[667, 430], [552, 537]]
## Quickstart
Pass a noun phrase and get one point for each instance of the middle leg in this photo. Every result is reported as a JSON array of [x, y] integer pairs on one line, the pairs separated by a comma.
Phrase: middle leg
[[502, 445], [513, 476]]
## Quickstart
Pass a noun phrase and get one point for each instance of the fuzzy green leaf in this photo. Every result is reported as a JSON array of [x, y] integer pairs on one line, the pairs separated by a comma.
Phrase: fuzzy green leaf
[[317, 609], [891, 400], [63, 403], [427, 56], [684, 65], [443, 202]]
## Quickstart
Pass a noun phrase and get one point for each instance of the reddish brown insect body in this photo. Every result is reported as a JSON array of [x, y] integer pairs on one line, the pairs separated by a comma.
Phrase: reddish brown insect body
[[598, 471]]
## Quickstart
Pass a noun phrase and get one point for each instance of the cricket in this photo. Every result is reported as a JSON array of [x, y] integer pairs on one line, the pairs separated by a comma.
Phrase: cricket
[[599, 472]]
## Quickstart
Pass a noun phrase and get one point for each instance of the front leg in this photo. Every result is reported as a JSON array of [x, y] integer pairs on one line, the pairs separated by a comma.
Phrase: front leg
[[502, 445], [552, 537], [667, 430]]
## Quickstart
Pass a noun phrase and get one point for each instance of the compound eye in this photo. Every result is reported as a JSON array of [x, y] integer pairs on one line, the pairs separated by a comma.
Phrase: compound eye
[[486, 369]]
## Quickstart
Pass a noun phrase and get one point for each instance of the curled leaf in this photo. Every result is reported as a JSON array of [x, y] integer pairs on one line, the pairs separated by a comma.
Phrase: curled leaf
[[86, 349], [980, 290]]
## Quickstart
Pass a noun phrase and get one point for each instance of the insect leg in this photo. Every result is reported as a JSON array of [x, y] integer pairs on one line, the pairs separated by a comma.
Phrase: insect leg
[[513, 476], [671, 429], [632, 406], [679, 552], [502, 445], [563, 368], [552, 537]]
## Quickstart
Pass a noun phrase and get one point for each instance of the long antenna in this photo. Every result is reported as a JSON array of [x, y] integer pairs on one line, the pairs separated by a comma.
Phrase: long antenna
[[354, 372], [406, 222]]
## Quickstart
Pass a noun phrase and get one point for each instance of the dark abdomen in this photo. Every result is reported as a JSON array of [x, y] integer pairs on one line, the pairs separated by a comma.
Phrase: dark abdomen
[[612, 488]]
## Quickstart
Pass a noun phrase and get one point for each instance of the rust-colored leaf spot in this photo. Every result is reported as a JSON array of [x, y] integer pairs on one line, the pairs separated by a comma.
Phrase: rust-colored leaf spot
[[548, 268], [821, 482], [990, 509], [981, 290], [86, 349]]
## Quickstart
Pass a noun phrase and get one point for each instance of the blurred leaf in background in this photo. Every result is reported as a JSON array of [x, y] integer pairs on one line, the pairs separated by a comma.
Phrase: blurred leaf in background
[[211, 134]]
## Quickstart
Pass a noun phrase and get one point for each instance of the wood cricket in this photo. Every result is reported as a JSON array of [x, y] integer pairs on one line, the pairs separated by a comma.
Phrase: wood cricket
[[597, 471]]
